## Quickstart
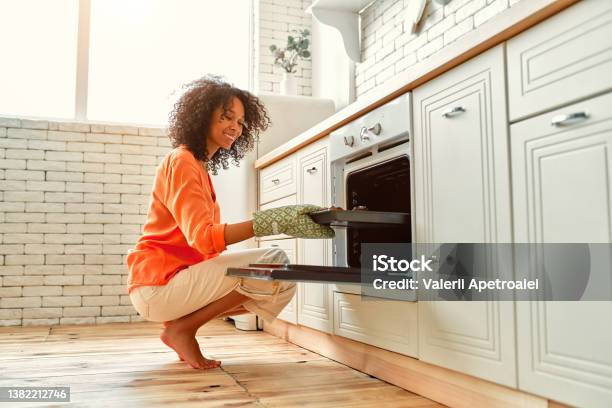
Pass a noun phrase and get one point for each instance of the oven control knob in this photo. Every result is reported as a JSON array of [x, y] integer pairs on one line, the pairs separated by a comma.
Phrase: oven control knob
[[349, 141], [363, 135]]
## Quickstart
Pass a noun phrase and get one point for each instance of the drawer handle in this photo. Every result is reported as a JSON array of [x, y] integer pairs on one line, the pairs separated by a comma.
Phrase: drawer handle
[[457, 110], [569, 119], [275, 181], [312, 170], [274, 246]]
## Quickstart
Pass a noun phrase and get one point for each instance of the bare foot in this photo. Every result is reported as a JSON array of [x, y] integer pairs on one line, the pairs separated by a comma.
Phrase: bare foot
[[179, 356], [186, 346]]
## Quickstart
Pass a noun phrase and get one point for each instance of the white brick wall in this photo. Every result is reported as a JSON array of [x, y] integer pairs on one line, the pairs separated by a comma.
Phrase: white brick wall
[[73, 198], [276, 19], [389, 48]]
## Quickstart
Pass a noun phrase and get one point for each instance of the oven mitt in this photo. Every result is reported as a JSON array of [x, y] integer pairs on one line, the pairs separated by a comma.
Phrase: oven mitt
[[291, 220]]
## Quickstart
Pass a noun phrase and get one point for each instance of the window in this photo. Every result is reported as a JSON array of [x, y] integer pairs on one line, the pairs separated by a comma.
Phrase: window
[[142, 51], [38, 44], [140, 54]]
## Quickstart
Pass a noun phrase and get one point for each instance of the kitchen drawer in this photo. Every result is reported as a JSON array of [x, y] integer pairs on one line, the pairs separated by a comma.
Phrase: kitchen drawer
[[564, 59], [289, 313], [388, 324], [278, 180], [291, 200]]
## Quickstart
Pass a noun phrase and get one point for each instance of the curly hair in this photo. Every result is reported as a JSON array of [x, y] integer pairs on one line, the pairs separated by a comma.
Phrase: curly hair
[[191, 118]]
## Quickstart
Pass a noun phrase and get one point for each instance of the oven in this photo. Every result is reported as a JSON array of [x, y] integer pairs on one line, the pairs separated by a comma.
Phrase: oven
[[370, 170], [371, 174]]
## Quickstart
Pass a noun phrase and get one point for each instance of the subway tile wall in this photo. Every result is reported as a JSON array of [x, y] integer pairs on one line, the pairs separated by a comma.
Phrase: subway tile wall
[[388, 46], [73, 198], [276, 19]]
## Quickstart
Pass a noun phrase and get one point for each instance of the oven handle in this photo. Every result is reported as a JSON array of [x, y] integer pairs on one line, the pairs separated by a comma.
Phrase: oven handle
[[455, 111]]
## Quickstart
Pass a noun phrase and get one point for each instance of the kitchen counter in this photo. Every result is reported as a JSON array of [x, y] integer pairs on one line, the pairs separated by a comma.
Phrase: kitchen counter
[[511, 22]]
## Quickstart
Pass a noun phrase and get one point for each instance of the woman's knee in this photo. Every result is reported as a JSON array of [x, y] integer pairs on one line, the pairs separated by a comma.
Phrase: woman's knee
[[274, 255], [289, 286]]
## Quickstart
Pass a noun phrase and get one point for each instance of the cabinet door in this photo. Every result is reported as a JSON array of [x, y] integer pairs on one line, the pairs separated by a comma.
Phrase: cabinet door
[[277, 180], [314, 302], [289, 313], [562, 190], [462, 195], [561, 60], [384, 323]]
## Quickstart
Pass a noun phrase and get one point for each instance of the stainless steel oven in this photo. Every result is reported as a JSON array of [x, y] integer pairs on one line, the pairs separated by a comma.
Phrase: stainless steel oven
[[370, 168]]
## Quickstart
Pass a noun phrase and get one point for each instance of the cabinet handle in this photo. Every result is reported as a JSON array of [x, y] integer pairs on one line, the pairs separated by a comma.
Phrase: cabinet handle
[[569, 119], [457, 110], [312, 170], [275, 181]]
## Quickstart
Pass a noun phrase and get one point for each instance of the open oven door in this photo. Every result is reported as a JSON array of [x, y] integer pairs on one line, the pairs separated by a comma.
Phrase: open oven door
[[337, 218]]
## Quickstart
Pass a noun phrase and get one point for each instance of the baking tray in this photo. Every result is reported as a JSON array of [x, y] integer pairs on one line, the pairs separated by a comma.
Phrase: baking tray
[[298, 273], [360, 218]]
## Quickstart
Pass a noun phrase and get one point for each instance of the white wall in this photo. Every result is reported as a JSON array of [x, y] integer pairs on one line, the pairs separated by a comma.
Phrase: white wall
[[236, 190]]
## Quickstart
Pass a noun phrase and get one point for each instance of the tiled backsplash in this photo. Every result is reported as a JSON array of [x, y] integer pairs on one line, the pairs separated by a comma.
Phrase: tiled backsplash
[[388, 46], [73, 198]]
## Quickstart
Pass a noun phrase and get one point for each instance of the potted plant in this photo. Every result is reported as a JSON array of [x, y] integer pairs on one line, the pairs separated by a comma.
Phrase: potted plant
[[288, 57]]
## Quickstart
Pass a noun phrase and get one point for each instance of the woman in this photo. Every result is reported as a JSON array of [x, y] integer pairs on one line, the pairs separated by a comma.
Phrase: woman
[[177, 270]]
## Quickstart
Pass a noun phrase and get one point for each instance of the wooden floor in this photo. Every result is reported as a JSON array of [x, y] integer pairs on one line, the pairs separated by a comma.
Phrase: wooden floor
[[127, 365]]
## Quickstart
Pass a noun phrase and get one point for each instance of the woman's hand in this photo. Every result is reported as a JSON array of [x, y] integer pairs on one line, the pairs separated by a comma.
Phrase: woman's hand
[[291, 220]]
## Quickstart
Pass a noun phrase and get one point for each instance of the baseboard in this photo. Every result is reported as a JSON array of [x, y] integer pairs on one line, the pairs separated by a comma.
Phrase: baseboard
[[439, 384]]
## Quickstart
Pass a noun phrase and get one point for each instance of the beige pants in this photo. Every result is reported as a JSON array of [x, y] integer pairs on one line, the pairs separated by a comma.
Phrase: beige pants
[[203, 283]]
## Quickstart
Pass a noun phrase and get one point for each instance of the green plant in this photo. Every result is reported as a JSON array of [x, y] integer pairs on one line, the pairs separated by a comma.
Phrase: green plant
[[297, 48]]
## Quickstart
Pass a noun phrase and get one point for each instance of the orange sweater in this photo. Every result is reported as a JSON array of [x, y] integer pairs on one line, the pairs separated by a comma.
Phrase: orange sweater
[[182, 226]]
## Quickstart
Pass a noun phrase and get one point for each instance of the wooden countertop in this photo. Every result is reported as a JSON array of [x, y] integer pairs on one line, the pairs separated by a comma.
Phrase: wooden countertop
[[500, 28]]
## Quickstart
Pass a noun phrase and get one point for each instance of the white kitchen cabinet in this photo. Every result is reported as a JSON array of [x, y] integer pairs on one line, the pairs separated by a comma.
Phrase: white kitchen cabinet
[[565, 58], [562, 189], [289, 313], [389, 324], [462, 194], [314, 299], [277, 180], [305, 173]]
